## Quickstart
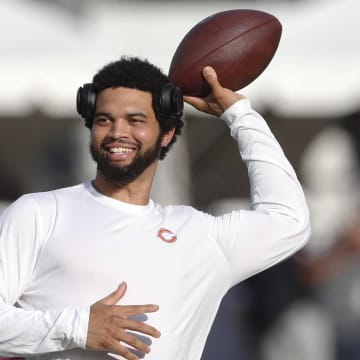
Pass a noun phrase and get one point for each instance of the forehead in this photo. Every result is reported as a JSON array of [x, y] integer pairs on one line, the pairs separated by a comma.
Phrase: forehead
[[123, 97]]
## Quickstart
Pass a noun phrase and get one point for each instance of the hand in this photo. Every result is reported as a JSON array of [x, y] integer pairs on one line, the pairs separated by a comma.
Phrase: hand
[[109, 325], [219, 99]]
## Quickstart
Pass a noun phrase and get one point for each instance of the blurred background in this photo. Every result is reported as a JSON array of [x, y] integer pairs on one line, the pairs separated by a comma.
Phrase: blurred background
[[305, 308]]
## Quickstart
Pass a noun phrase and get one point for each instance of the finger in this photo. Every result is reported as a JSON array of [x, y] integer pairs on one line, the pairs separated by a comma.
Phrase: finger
[[134, 342], [128, 310], [210, 76], [123, 351], [196, 102], [115, 296], [139, 326]]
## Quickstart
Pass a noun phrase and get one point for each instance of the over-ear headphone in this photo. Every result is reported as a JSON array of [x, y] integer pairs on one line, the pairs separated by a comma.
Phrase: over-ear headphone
[[171, 101]]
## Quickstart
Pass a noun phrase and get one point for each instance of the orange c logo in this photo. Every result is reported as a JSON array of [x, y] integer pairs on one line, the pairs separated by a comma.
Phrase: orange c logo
[[167, 235]]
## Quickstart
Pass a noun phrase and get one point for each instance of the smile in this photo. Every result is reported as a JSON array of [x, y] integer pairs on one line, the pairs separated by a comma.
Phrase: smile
[[120, 150]]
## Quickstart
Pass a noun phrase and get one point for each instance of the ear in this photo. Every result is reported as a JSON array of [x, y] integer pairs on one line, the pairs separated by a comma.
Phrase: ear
[[167, 137]]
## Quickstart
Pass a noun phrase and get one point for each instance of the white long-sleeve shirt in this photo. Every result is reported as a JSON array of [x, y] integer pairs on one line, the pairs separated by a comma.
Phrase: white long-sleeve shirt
[[63, 250]]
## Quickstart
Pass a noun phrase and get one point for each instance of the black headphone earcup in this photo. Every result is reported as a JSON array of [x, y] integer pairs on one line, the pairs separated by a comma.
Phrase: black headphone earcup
[[171, 100], [86, 102]]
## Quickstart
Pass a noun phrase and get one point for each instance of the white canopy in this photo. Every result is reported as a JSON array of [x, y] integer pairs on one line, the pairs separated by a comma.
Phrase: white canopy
[[316, 70], [46, 54]]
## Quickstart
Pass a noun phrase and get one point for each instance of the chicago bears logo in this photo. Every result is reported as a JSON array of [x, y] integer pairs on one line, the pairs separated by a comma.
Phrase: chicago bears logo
[[167, 235]]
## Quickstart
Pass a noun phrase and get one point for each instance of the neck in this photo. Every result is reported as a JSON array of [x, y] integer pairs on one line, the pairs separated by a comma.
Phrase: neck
[[137, 192]]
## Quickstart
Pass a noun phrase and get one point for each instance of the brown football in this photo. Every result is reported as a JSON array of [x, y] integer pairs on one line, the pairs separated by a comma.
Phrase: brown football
[[239, 44]]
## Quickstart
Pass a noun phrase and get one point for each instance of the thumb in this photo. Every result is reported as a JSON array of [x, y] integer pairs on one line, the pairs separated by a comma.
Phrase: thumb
[[211, 78], [115, 296], [224, 97]]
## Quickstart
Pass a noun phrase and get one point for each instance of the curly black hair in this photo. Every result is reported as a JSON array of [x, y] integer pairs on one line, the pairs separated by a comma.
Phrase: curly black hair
[[137, 73]]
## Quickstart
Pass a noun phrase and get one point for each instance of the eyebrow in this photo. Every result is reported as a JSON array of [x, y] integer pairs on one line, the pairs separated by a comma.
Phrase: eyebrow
[[130, 114], [103, 113]]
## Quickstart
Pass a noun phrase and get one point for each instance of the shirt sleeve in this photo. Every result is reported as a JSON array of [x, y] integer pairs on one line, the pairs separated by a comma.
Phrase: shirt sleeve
[[277, 224], [23, 233]]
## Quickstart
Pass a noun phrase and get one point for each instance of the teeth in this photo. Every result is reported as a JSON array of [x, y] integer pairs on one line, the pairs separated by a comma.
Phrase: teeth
[[120, 150]]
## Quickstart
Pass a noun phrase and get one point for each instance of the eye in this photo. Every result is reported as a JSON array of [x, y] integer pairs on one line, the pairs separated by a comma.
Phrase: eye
[[101, 120], [136, 120], [136, 117]]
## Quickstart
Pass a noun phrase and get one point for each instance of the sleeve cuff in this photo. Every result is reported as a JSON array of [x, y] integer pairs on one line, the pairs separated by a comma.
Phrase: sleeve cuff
[[236, 110], [82, 328]]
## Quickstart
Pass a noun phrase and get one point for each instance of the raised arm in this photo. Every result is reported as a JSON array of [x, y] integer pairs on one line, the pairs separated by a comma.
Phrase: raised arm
[[277, 224]]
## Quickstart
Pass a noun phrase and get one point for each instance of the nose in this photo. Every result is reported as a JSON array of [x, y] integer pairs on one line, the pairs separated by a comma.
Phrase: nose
[[119, 129]]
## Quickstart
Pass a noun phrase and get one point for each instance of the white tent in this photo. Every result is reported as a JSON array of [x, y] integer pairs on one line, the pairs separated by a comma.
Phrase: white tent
[[46, 54], [316, 70]]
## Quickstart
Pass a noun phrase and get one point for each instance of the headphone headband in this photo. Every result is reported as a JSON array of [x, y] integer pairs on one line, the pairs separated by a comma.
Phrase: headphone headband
[[171, 102]]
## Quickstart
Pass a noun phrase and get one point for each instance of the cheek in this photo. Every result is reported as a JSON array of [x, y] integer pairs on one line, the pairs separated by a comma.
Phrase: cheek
[[146, 135], [142, 134], [96, 136]]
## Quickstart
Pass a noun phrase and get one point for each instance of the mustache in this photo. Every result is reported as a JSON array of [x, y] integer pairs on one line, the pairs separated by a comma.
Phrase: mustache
[[108, 141]]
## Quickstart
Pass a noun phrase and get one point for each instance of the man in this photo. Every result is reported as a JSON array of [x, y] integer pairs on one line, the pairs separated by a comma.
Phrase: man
[[62, 251]]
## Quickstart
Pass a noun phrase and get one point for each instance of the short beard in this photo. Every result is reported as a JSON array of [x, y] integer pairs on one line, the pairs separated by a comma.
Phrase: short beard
[[124, 175]]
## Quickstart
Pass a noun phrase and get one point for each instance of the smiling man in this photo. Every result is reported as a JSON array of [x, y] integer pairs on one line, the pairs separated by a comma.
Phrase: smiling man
[[99, 270], [125, 138]]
